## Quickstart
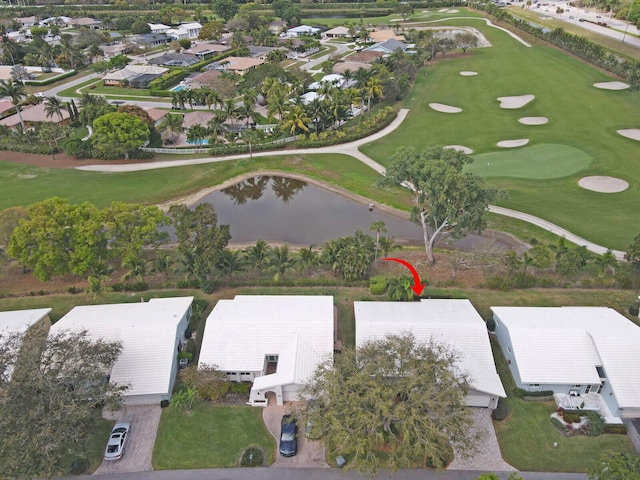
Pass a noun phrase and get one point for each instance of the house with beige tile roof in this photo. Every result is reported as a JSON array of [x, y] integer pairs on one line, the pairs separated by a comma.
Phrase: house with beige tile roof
[[383, 35], [238, 65], [35, 114]]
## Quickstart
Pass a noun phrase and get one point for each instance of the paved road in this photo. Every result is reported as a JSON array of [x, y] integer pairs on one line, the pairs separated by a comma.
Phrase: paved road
[[264, 473]]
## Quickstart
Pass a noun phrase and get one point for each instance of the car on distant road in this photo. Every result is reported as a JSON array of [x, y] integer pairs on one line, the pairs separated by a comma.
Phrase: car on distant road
[[288, 440], [117, 441], [39, 95]]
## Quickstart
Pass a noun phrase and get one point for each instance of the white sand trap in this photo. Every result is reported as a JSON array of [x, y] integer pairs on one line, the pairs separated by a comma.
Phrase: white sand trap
[[443, 10], [460, 148], [515, 102], [632, 133], [533, 120], [611, 85], [603, 184], [453, 10], [513, 143], [468, 73], [395, 20], [441, 107]]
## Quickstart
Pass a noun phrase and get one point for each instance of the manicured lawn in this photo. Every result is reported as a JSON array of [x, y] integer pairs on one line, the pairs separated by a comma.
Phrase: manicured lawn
[[211, 436], [527, 436], [71, 91], [100, 89], [25, 184], [582, 128], [543, 161]]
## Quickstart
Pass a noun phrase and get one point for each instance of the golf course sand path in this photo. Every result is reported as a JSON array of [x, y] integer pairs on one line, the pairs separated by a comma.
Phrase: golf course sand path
[[441, 107], [513, 102], [603, 184], [533, 120], [612, 85], [632, 133]]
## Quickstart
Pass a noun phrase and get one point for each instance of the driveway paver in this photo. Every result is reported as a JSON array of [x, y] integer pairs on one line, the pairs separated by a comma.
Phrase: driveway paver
[[311, 453], [488, 457], [144, 427]]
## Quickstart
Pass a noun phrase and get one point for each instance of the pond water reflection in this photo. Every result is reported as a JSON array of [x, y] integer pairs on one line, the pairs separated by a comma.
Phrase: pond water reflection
[[282, 209]]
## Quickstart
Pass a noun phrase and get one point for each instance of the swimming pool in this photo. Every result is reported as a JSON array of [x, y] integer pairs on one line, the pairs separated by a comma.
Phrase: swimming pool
[[178, 88]]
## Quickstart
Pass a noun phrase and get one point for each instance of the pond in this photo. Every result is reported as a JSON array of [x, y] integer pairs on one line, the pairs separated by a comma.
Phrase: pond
[[281, 209]]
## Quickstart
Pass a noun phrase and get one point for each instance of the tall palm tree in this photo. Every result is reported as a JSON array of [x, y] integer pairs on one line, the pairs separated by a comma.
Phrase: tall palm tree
[[172, 124], [54, 106], [296, 120], [196, 134], [87, 99], [317, 111], [212, 97], [308, 258], [277, 101], [15, 91], [373, 89], [216, 123], [178, 98], [231, 262], [378, 227], [230, 109]]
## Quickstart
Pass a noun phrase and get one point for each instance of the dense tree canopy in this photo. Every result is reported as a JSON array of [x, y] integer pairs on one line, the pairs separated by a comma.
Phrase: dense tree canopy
[[117, 135], [47, 404], [391, 403], [447, 201], [616, 466]]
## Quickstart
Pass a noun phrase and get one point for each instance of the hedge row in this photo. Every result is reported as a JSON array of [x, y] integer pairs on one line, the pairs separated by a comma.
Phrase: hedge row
[[619, 428], [520, 393], [169, 79], [378, 285], [50, 80], [244, 148], [371, 125], [11, 145]]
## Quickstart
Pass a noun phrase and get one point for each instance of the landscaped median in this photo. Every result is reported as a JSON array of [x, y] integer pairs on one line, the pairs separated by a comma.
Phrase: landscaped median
[[210, 436]]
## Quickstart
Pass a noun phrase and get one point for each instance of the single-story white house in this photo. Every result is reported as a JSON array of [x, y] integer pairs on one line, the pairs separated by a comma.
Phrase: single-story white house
[[159, 27], [274, 341], [19, 322], [152, 333], [302, 30], [577, 351], [185, 30], [454, 323]]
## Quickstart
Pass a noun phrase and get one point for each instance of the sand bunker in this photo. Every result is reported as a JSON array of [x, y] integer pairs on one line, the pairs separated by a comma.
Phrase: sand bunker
[[603, 184], [442, 10], [513, 143], [515, 102], [632, 133], [533, 120], [460, 148], [468, 73], [440, 107], [611, 85], [448, 10]]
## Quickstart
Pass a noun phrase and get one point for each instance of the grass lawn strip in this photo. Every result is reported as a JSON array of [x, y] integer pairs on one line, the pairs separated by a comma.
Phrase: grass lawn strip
[[211, 436]]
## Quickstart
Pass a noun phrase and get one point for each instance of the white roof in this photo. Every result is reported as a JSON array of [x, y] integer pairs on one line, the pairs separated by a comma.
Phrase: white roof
[[158, 26], [309, 97], [148, 332], [297, 328], [303, 29], [190, 25], [451, 322], [563, 345], [132, 70], [337, 31], [19, 321]]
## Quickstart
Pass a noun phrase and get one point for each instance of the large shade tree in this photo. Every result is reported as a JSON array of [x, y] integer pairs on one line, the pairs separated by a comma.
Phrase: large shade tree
[[391, 403], [48, 398], [447, 201], [117, 135]]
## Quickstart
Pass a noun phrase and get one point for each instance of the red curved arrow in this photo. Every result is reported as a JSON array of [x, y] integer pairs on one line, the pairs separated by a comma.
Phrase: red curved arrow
[[417, 287]]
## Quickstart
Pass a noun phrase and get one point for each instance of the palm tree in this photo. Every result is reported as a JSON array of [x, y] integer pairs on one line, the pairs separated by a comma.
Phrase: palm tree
[[280, 262], [296, 120], [373, 89], [387, 244], [353, 98], [258, 255], [216, 123], [178, 98], [308, 258], [94, 51], [277, 101], [317, 111], [212, 97], [171, 123], [196, 134], [231, 262], [87, 99], [378, 227], [54, 106], [15, 91], [230, 109]]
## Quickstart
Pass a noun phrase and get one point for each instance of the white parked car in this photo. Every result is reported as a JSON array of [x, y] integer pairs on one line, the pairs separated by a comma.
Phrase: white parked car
[[117, 441]]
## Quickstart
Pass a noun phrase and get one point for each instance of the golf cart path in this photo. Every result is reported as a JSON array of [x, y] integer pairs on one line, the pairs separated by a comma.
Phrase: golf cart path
[[351, 149]]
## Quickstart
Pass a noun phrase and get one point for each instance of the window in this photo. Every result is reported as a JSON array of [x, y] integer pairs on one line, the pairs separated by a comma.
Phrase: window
[[534, 386], [245, 373], [576, 386], [272, 358]]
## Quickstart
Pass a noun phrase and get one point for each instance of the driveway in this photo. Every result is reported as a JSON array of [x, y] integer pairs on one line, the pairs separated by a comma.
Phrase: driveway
[[488, 457], [144, 427], [311, 453]]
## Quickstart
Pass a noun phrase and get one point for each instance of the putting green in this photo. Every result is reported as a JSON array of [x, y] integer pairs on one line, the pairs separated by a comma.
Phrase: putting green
[[543, 161]]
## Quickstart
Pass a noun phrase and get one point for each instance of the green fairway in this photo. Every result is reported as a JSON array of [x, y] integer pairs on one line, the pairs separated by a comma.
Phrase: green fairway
[[537, 162], [580, 138]]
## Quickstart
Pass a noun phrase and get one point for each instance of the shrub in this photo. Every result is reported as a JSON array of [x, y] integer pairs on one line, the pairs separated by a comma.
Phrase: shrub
[[74, 290], [50, 80], [619, 428], [187, 284], [378, 285], [242, 388], [633, 309], [571, 417], [520, 393], [184, 354], [502, 410], [596, 424], [190, 347], [557, 423], [168, 80], [491, 324], [210, 383]]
